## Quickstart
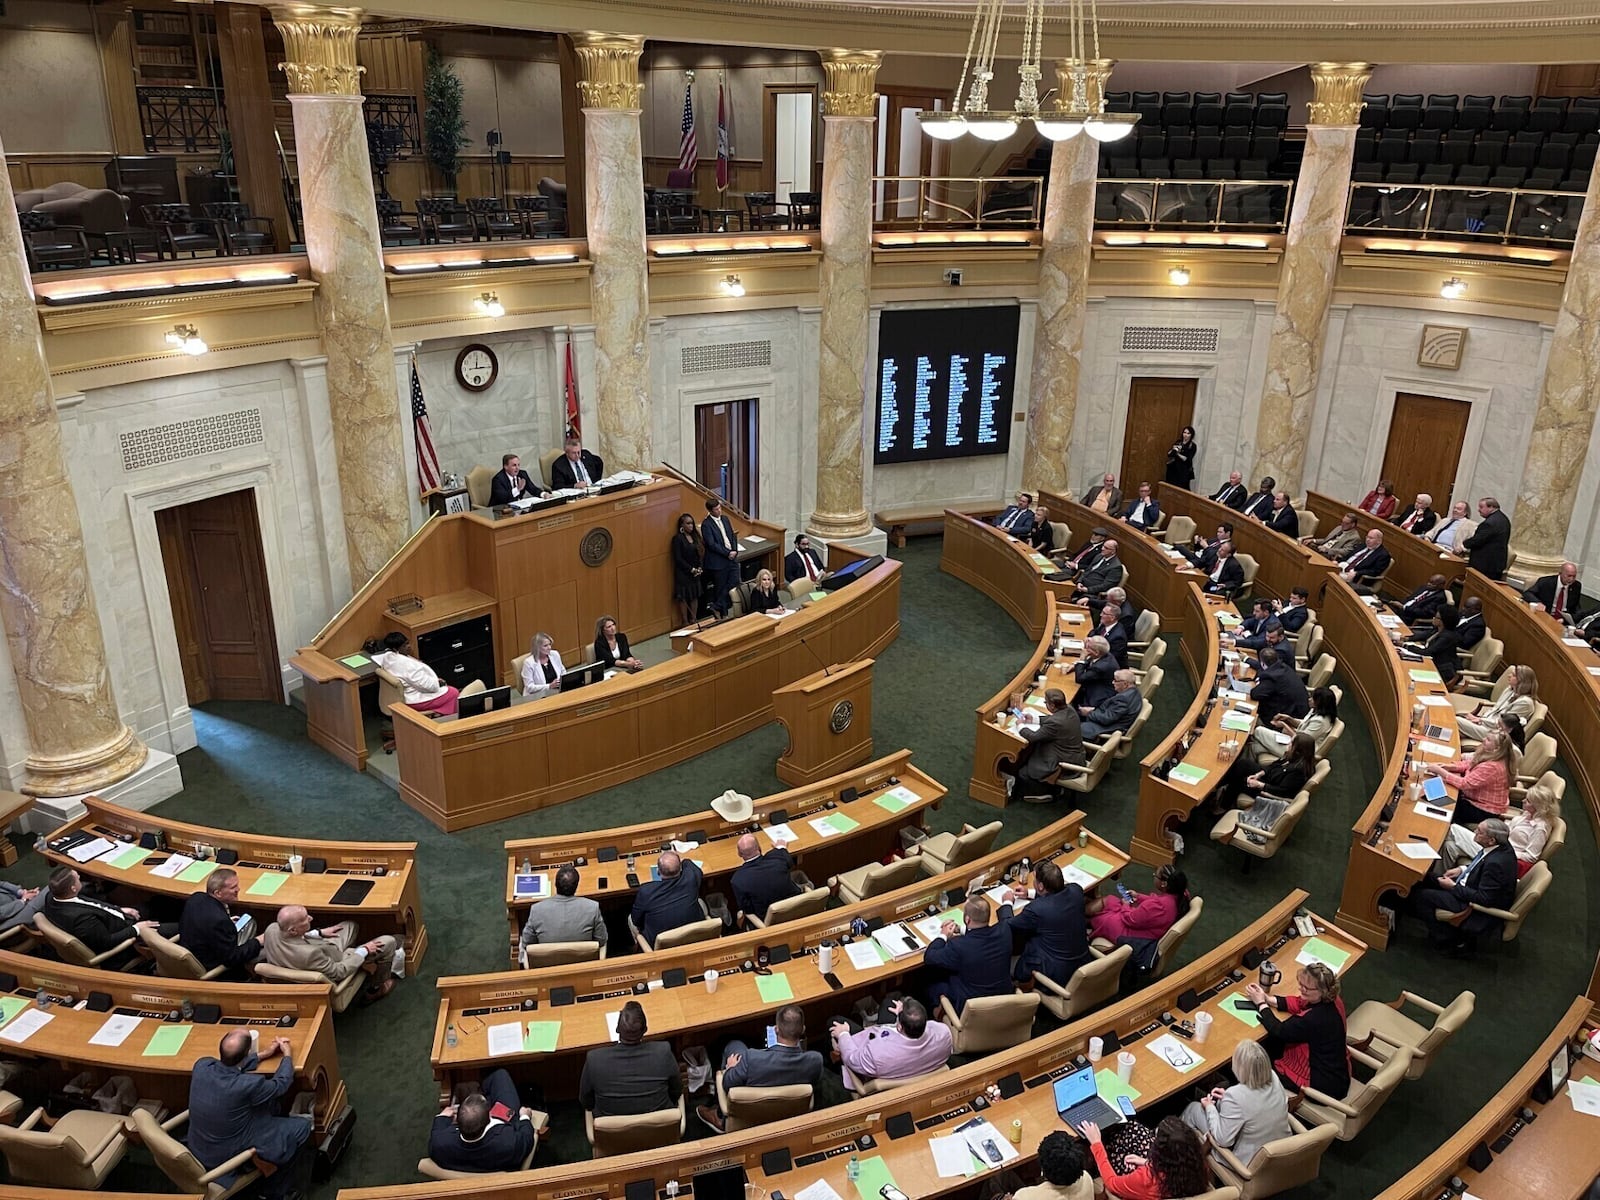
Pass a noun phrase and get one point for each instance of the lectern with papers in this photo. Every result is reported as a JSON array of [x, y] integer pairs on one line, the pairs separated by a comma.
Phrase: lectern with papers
[[829, 718]]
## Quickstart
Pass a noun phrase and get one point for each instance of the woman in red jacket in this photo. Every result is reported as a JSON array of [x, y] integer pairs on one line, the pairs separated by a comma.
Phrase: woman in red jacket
[[1176, 1166], [1380, 501], [1482, 782], [1142, 916]]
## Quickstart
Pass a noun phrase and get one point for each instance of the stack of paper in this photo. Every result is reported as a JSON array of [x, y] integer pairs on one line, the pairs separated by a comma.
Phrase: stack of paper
[[1585, 1095], [983, 1138], [864, 955], [172, 866], [781, 834], [91, 850], [505, 1039], [931, 927], [897, 940]]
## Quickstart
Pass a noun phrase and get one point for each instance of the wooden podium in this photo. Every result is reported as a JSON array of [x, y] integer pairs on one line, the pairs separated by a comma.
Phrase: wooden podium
[[829, 718]]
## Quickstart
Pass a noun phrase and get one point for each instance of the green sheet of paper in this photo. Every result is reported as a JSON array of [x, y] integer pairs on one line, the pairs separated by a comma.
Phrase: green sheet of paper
[[1109, 1086], [167, 1041], [355, 661], [842, 823], [130, 856], [1422, 676], [1185, 773], [891, 802], [196, 871], [1229, 619], [1325, 952], [819, 595], [10, 1006], [267, 884], [1089, 864], [542, 1036], [874, 1174], [774, 988], [1249, 1018], [1241, 722]]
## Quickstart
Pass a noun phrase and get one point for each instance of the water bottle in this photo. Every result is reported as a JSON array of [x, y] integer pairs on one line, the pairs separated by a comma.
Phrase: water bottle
[[853, 1170], [450, 1036]]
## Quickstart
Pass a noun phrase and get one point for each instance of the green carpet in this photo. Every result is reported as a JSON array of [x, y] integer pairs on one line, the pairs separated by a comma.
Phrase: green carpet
[[255, 771]]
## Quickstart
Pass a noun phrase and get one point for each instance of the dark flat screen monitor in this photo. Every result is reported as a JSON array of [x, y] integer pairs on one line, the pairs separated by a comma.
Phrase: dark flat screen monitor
[[945, 382], [491, 700], [724, 1183], [582, 676]]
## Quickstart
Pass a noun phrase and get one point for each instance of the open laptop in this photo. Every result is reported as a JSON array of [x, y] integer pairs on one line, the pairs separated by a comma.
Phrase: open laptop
[[1077, 1101]]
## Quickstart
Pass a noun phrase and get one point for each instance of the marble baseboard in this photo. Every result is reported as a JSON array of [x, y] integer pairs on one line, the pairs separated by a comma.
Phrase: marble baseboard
[[152, 783]]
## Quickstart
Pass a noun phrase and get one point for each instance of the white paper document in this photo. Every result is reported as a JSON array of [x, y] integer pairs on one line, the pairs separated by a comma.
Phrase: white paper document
[[114, 1032], [981, 1136], [172, 866], [929, 927], [1420, 851], [684, 847], [1573, 641], [823, 827], [781, 834], [1079, 876], [505, 1039], [1180, 1056], [997, 896], [1436, 701], [611, 1025], [1429, 810], [897, 940], [863, 956], [1585, 1097], [820, 1190], [1435, 749], [24, 1025], [952, 1158], [92, 849], [1594, 670]]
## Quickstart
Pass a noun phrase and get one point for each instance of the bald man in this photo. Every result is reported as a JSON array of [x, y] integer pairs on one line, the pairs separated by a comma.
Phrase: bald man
[[233, 1108], [1560, 594], [670, 901], [761, 879], [332, 952]]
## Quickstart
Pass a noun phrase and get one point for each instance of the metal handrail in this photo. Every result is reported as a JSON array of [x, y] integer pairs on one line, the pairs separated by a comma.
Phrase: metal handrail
[[938, 206], [1187, 189], [1399, 204]]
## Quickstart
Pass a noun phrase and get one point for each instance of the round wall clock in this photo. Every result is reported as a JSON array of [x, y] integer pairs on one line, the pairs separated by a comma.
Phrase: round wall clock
[[476, 367]]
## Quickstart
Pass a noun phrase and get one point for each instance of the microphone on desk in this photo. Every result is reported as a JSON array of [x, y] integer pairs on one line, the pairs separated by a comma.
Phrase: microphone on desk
[[818, 657]]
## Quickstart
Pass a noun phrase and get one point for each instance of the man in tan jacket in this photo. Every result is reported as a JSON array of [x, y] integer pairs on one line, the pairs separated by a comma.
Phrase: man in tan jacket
[[332, 952]]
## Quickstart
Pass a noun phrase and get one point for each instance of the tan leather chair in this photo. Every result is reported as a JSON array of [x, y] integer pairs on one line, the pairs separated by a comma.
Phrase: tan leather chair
[[1377, 1028], [874, 879], [480, 481], [1091, 985], [1321, 671], [1352, 1114], [1216, 1193], [1060, 535], [547, 462], [990, 1022], [876, 1087], [1550, 779], [1179, 531], [945, 851], [744, 1107], [1330, 740], [341, 994], [172, 960], [429, 1169], [1148, 658], [807, 904], [1556, 840], [391, 691], [624, 1135], [1260, 843], [1249, 566], [74, 951], [1485, 662], [1278, 1165], [684, 935], [1308, 521], [516, 671], [180, 1165], [1085, 778], [1530, 890], [1537, 758], [1479, 690], [560, 954], [1125, 748], [1145, 630], [79, 1151], [1151, 679], [1319, 775], [1167, 948]]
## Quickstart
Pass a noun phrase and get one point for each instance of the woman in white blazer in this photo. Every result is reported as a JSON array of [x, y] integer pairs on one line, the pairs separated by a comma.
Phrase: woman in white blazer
[[1248, 1115], [541, 670]]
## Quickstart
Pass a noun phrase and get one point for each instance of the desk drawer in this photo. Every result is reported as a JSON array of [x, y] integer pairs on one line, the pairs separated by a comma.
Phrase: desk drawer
[[459, 638], [462, 667]]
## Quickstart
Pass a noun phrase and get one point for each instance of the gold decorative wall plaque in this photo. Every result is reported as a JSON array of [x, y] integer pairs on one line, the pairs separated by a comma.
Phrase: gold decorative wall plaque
[[1442, 346]]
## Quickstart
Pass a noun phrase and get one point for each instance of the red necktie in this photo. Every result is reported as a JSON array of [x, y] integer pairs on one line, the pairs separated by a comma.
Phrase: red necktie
[[1411, 520], [811, 570], [1561, 600]]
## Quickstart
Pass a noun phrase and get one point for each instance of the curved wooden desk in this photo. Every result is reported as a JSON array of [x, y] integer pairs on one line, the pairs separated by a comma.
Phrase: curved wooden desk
[[61, 1048], [393, 904], [686, 1014], [1155, 576], [1282, 562], [879, 818], [1007, 571], [1415, 559], [819, 1141]]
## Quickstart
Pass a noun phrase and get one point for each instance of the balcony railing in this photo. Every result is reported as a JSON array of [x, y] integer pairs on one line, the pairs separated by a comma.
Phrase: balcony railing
[[939, 202], [1260, 205], [1502, 215]]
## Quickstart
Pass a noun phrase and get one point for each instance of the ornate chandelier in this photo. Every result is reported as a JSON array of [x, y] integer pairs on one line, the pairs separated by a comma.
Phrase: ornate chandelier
[[1085, 73]]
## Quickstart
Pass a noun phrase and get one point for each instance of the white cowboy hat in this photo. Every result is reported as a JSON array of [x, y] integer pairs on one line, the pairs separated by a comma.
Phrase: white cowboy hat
[[733, 807]]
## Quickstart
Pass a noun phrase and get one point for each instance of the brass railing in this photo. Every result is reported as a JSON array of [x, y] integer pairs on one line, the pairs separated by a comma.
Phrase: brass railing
[[948, 202], [1255, 204], [1472, 213]]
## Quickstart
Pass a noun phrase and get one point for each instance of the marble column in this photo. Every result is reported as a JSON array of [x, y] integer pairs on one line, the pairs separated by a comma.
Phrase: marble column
[[1068, 238], [1564, 422], [77, 741], [346, 256], [613, 182], [848, 105], [1305, 277]]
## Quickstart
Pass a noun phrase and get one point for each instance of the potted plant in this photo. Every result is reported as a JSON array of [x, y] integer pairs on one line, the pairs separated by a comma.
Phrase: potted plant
[[446, 128]]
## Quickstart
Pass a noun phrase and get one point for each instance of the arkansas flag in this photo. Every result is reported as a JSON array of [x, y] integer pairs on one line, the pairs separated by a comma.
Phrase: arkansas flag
[[722, 140], [573, 429]]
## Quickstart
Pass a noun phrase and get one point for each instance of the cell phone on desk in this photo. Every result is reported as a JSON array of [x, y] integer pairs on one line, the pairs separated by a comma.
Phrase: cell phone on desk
[[833, 981], [1126, 1105], [1245, 1006], [889, 1192], [633, 879]]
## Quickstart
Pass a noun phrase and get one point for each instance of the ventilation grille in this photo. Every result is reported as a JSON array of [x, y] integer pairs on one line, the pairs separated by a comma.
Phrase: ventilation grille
[[188, 439], [729, 356], [1164, 337]]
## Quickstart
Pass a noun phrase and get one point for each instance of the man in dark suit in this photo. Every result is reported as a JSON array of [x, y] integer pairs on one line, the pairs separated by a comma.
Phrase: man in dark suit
[[1095, 672], [1233, 493], [1117, 712], [207, 931], [1054, 740], [1489, 547], [1101, 574], [1255, 624], [1293, 615], [1259, 505], [761, 879], [631, 1076], [1560, 594], [975, 963], [670, 901], [1367, 562], [1127, 614], [786, 1063], [1489, 879], [576, 467], [1278, 690], [511, 482], [1424, 602], [1282, 519], [722, 544], [1203, 555], [1471, 628], [1017, 519], [489, 1130], [1145, 511], [232, 1108], [1054, 923], [1420, 517], [1226, 575], [98, 925], [1081, 558], [1110, 628], [803, 562]]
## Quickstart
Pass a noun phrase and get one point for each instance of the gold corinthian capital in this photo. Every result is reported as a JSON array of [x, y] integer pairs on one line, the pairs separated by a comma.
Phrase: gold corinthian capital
[[847, 80], [608, 69], [1337, 100], [319, 49]]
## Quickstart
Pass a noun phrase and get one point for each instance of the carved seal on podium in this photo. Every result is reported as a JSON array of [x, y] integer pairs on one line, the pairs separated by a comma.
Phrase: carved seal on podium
[[595, 547], [843, 713]]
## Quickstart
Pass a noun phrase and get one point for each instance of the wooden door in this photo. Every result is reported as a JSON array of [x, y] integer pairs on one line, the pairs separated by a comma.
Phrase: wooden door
[[1424, 450], [1158, 409], [728, 450], [221, 608]]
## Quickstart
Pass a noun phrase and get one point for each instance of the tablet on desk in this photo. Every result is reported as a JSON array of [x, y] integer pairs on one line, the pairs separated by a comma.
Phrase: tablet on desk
[[529, 887], [1433, 789]]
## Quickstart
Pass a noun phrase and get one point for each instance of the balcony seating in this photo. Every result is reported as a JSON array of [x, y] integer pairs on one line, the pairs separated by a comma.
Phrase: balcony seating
[[241, 232], [178, 231]]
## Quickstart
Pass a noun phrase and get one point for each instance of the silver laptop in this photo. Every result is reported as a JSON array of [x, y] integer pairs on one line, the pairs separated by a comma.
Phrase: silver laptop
[[1077, 1101]]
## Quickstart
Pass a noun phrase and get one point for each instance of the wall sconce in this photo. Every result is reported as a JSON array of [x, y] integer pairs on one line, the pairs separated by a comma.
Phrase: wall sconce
[[732, 286], [489, 305], [1452, 289], [187, 339], [1178, 276]]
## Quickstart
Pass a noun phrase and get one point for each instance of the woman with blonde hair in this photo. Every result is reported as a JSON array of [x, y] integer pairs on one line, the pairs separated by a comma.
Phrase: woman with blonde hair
[[763, 594], [542, 669], [1530, 828], [1248, 1115], [1307, 1048], [1482, 782], [1518, 698]]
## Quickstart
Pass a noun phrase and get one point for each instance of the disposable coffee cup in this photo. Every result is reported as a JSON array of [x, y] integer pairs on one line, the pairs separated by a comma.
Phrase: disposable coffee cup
[[1097, 1047], [296, 864], [1202, 1026], [711, 981], [255, 1041], [1125, 1062]]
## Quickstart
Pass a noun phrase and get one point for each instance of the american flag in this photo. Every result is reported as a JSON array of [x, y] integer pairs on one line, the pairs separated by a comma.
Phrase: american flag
[[688, 152], [427, 457]]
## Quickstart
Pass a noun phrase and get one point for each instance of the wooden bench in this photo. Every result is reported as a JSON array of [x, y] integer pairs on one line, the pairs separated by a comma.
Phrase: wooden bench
[[898, 520]]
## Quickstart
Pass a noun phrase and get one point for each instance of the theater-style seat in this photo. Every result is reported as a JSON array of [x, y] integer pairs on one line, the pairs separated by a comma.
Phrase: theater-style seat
[[624, 1135], [1378, 1028], [1091, 985], [990, 1022], [863, 883], [744, 1107], [180, 1165]]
